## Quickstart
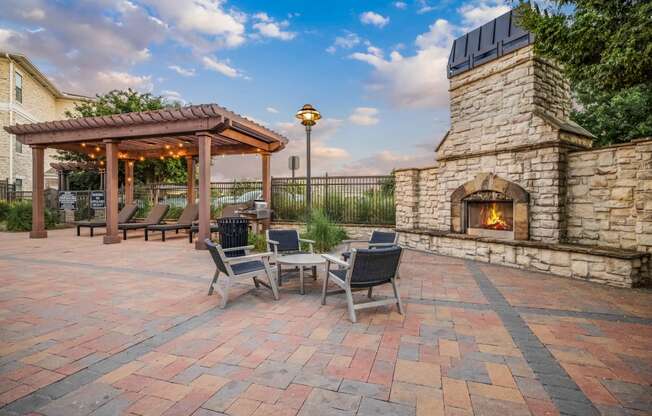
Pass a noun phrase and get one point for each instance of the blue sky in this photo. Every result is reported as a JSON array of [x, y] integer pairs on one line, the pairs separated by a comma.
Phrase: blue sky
[[375, 69]]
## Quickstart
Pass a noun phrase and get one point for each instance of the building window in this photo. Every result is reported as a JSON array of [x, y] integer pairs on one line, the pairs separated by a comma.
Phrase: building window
[[18, 185], [18, 80], [18, 146]]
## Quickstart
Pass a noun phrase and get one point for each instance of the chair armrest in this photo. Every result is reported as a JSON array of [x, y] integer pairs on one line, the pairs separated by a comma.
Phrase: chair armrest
[[226, 250], [335, 260], [305, 240], [248, 257], [311, 248]]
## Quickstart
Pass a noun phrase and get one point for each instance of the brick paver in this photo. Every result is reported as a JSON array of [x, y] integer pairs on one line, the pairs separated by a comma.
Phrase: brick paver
[[88, 329]]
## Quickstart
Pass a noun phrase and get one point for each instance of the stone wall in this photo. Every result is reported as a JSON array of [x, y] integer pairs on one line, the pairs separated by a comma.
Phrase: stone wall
[[596, 265], [354, 231], [609, 199]]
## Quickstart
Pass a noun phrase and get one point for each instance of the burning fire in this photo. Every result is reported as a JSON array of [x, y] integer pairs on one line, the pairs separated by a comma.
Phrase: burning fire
[[492, 218]]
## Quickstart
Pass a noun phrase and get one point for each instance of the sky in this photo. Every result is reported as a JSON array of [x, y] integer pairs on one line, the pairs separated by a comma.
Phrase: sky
[[376, 70]]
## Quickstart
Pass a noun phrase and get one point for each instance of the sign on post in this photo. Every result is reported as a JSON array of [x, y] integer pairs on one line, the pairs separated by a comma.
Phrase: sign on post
[[293, 164], [97, 199], [67, 200]]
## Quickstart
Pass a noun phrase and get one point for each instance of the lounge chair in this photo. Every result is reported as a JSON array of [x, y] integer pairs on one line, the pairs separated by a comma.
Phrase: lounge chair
[[155, 216], [365, 269], [285, 242], [189, 214], [252, 266], [124, 216], [378, 239]]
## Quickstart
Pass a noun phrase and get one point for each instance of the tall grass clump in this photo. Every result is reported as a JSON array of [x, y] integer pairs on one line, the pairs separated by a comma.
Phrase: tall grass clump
[[19, 217], [4, 210], [323, 231]]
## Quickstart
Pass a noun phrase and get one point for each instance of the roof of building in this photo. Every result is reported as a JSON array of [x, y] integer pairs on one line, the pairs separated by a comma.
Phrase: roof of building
[[40, 77], [487, 42]]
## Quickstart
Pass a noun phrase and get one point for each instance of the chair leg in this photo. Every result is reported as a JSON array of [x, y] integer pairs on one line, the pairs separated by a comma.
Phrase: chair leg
[[370, 292], [190, 236], [215, 276], [301, 289], [92, 229], [124, 234], [78, 233], [256, 284], [146, 235], [163, 235], [278, 274], [177, 231], [398, 298], [314, 272], [324, 289], [272, 281], [349, 304], [225, 291]]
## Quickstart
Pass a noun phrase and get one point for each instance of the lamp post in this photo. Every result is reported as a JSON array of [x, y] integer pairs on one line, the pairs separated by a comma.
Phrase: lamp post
[[308, 116]]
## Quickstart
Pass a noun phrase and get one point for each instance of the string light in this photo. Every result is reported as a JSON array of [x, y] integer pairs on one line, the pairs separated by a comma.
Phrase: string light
[[142, 158], [97, 148], [92, 155], [180, 144], [131, 163], [83, 145], [167, 146], [162, 157]]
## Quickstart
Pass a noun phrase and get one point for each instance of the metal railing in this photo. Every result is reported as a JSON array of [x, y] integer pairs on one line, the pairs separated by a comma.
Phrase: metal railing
[[8, 192], [345, 199]]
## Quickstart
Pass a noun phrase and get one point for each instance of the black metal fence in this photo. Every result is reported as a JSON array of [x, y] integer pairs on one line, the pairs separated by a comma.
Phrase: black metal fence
[[345, 199], [8, 192]]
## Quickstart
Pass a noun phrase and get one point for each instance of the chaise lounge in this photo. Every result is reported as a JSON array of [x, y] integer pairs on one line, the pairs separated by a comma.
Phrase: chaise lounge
[[154, 217], [190, 213], [124, 216]]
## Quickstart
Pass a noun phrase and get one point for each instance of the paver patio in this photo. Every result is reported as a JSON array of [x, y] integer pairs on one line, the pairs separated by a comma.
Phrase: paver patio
[[128, 329]]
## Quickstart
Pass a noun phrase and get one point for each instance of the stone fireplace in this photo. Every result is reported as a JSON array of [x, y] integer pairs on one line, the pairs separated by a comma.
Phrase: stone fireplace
[[511, 176], [490, 206]]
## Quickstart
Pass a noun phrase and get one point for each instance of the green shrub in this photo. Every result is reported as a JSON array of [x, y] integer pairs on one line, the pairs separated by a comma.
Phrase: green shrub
[[258, 241], [143, 208], [173, 213], [19, 217], [325, 233], [4, 210]]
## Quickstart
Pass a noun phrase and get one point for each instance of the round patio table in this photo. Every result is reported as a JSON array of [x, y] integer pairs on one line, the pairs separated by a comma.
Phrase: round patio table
[[301, 261]]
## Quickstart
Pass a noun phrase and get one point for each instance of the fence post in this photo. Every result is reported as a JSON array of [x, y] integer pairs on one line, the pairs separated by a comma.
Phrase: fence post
[[326, 206]]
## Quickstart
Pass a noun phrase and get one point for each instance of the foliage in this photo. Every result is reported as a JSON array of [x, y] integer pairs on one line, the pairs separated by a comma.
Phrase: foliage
[[325, 233], [173, 213], [606, 51], [143, 208], [258, 241], [169, 170], [4, 210], [19, 217]]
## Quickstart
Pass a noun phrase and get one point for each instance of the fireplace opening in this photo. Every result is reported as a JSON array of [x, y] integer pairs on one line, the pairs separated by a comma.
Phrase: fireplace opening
[[491, 215]]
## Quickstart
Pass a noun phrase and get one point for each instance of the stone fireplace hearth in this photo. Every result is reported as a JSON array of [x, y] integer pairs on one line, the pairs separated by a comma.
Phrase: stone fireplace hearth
[[490, 206]]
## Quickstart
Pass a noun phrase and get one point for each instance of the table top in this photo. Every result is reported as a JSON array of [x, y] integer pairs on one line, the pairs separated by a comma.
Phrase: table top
[[305, 259]]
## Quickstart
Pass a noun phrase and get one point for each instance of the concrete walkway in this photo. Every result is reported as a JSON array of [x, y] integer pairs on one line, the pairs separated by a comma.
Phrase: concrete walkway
[[89, 329]]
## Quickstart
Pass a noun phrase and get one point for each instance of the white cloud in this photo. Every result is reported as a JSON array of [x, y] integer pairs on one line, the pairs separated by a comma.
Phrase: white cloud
[[269, 28], [222, 67], [108, 80], [348, 41], [418, 80], [401, 5], [272, 110], [373, 18], [478, 13], [364, 116], [186, 72], [424, 7], [173, 96], [382, 163]]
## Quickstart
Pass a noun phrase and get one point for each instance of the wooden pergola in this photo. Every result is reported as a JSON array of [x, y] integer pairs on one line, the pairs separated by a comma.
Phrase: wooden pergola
[[193, 132]]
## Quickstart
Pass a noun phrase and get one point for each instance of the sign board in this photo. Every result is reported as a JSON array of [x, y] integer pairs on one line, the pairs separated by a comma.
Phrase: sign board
[[97, 199], [293, 162], [67, 200]]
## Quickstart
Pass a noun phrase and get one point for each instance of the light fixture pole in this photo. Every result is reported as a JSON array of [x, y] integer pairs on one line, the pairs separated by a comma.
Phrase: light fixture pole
[[308, 116]]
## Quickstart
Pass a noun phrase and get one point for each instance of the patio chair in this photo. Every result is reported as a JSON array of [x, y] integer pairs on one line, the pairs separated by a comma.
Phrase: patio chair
[[285, 242], [378, 239], [252, 265], [365, 269], [155, 216], [124, 216], [190, 213]]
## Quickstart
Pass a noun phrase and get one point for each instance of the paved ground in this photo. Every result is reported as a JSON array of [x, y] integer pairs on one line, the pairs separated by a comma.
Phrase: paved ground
[[128, 329]]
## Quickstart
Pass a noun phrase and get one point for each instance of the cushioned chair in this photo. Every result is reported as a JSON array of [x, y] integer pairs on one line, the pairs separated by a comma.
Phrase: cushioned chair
[[190, 213], [248, 266], [125, 215], [155, 216], [285, 242], [378, 239], [365, 269]]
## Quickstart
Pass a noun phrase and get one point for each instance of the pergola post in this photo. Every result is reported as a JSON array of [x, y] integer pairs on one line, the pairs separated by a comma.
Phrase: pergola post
[[204, 140], [38, 195], [267, 178], [190, 187], [112, 235], [129, 181]]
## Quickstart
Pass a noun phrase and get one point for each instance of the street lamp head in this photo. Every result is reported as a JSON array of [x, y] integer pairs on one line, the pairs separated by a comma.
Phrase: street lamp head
[[308, 115]]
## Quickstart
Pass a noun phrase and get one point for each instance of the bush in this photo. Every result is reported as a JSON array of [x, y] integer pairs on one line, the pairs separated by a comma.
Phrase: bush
[[4, 210], [19, 217], [173, 213], [258, 241], [325, 233]]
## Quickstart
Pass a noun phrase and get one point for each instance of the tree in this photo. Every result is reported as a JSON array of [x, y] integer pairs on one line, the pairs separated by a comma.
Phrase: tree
[[118, 102], [605, 47]]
